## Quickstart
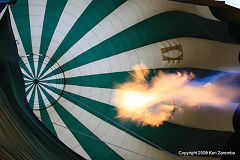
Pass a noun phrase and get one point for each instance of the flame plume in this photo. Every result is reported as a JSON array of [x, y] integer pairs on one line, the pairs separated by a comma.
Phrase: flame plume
[[154, 102]]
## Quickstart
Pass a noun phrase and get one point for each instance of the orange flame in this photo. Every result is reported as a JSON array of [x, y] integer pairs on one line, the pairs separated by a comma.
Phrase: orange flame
[[153, 103]]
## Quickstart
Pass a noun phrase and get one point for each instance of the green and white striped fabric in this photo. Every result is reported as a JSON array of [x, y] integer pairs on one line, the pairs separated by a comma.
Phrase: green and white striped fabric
[[74, 52]]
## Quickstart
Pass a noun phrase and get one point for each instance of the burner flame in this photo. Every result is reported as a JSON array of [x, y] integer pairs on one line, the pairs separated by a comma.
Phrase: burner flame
[[153, 103]]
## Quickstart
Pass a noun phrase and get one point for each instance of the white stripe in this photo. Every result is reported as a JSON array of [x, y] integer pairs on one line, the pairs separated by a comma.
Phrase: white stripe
[[70, 14], [26, 74], [57, 76], [37, 113], [54, 95], [57, 86], [27, 78], [28, 88], [53, 85], [150, 55], [30, 94], [44, 98], [26, 83], [207, 118], [42, 67], [29, 66], [212, 55], [44, 64], [53, 77], [3, 11], [125, 16], [64, 134], [103, 95], [36, 103], [36, 16], [197, 53], [35, 63], [55, 66], [191, 117], [35, 59]]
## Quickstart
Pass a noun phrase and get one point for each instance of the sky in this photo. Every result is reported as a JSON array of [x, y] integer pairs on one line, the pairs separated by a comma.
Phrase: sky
[[234, 3]]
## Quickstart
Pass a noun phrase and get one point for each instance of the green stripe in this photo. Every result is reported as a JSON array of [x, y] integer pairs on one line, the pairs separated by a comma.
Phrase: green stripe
[[164, 136], [44, 113], [158, 28], [110, 80], [93, 14], [27, 76], [96, 149], [55, 90], [27, 85], [52, 16], [32, 65], [24, 67], [107, 80], [21, 16], [40, 99], [27, 91], [28, 79]]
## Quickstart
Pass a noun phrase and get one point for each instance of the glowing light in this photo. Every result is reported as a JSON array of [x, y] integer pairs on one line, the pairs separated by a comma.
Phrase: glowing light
[[153, 103], [136, 99]]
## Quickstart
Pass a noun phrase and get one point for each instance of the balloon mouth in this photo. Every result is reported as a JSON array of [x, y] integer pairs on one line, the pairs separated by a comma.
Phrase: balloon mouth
[[42, 76], [35, 81]]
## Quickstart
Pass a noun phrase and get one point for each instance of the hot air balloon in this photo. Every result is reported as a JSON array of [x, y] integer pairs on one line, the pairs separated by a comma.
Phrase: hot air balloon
[[73, 53]]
